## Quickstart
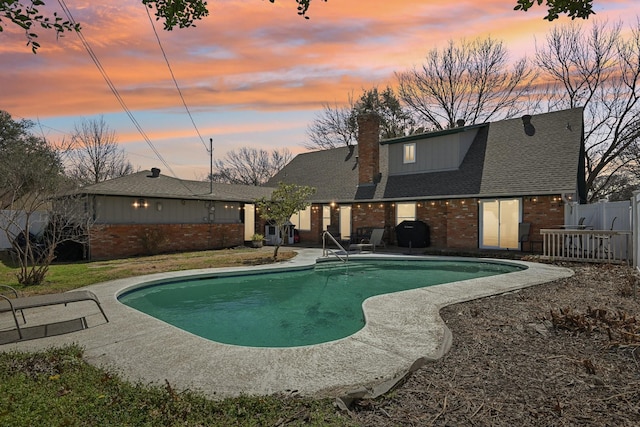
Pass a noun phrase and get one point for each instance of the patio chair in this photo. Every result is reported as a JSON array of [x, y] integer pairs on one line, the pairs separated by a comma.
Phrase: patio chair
[[524, 236], [604, 240], [17, 303], [371, 243]]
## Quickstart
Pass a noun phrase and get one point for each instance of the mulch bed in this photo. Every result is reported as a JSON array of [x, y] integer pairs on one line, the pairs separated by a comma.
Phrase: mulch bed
[[565, 353]]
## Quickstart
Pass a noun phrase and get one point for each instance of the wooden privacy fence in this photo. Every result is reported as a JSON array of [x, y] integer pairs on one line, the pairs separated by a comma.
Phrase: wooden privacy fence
[[587, 245]]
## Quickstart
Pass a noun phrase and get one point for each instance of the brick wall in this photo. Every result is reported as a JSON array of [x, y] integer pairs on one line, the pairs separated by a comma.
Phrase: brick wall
[[313, 236], [452, 224], [434, 214], [123, 240], [542, 212], [375, 215], [462, 223], [368, 148], [368, 215]]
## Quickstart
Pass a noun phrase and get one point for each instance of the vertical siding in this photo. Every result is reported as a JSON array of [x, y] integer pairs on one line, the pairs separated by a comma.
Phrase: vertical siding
[[120, 210], [444, 152]]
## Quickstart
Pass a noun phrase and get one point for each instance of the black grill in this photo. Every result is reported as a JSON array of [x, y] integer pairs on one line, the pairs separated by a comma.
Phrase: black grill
[[414, 234]]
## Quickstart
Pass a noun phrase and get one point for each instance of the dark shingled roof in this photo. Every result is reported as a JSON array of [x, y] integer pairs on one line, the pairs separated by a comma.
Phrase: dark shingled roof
[[546, 162], [332, 172], [142, 185], [502, 161]]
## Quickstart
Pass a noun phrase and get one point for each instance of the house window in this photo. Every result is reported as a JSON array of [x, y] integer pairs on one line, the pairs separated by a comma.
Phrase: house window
[[326, 217], [302, 219], [409, 153], [405, 212]]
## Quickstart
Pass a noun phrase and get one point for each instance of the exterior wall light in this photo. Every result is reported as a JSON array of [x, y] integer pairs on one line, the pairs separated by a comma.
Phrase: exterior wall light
[[140, 203]]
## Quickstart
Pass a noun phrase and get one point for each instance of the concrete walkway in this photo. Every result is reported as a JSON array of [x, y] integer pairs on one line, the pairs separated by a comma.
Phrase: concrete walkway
[[401, 328]]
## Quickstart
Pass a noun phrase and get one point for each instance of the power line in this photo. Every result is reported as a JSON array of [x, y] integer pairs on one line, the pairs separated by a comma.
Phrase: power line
[[114, 90], [173, 77], [41, 125]]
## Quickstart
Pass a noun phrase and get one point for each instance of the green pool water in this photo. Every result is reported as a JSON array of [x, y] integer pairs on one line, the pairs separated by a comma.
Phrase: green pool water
[[294, 308]]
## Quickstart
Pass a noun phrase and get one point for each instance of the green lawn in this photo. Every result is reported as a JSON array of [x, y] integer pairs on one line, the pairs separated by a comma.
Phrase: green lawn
[[63, 277], [57, 388]]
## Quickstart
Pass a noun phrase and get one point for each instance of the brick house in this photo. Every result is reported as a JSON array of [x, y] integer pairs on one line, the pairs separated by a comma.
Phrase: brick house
[[146, 212], [472, 185]]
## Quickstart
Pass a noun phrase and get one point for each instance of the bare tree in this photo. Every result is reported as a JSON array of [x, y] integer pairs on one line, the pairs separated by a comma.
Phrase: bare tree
[[338, 126], [470, 81], [31, 176], [95, 155], [619, 187], [334, 127], [250, 166], [598, 69]]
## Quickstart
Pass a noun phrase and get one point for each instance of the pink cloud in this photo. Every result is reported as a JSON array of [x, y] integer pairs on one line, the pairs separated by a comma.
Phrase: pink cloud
[[248, 56]]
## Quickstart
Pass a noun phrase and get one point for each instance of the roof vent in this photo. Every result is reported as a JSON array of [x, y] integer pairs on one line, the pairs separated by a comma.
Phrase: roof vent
[[155, 172], [460, 123], [529, 129]]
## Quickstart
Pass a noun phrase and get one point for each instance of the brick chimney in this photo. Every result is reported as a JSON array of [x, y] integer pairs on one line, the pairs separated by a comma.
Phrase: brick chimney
[[368, 148]]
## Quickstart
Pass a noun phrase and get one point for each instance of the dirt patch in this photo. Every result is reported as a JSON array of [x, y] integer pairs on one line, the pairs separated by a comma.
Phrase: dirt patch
[[192, 260], [559, 354]]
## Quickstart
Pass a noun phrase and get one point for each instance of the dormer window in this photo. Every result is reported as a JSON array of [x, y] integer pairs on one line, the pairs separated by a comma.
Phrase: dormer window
[[409, 153]]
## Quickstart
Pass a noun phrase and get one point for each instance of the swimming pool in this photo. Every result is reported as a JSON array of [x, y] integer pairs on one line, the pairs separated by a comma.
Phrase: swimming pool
[[294, 308]]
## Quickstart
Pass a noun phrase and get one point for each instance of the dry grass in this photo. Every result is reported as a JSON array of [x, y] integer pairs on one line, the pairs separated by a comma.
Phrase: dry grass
[[64, 277]]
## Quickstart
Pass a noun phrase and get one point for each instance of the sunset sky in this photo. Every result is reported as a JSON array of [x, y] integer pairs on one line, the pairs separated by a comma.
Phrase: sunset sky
[[252, 73]]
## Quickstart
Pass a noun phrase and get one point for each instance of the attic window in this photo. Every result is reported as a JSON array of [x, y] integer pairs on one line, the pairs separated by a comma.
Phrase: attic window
[[409, 153]]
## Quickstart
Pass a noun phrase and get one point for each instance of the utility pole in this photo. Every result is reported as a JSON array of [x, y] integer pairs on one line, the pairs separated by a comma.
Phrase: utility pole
[[210, 165]]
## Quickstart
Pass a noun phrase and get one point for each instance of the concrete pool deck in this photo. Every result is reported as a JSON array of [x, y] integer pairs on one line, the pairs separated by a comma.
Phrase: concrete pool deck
[[401, 328]]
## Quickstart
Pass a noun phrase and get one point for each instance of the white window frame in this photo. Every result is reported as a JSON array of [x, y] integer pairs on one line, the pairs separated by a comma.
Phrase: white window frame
[[345, 222], [500, 230], [302, 219], [326, 217], [409, 153], [408, 212]]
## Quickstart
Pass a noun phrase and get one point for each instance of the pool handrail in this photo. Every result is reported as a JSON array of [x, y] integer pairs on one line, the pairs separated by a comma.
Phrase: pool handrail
[[326, 250]]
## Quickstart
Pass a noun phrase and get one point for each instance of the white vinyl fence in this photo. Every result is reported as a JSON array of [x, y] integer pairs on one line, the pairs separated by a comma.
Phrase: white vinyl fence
[[602, 215], [596, 232], [635, 215], [14, 222]]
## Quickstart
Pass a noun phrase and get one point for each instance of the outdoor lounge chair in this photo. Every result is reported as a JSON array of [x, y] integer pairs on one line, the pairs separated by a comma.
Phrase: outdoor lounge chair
[[371, 243], [18, 303]]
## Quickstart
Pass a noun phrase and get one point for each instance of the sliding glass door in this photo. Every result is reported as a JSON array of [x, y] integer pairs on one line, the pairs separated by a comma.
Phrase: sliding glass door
[[499, 221]]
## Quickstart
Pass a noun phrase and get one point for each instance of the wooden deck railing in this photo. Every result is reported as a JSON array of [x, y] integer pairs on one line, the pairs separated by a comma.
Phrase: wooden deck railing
[[586, 245]]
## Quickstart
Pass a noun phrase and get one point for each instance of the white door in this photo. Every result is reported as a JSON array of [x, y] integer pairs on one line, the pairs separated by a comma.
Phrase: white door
[[499, 221], [345, 222], [249, 221]]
